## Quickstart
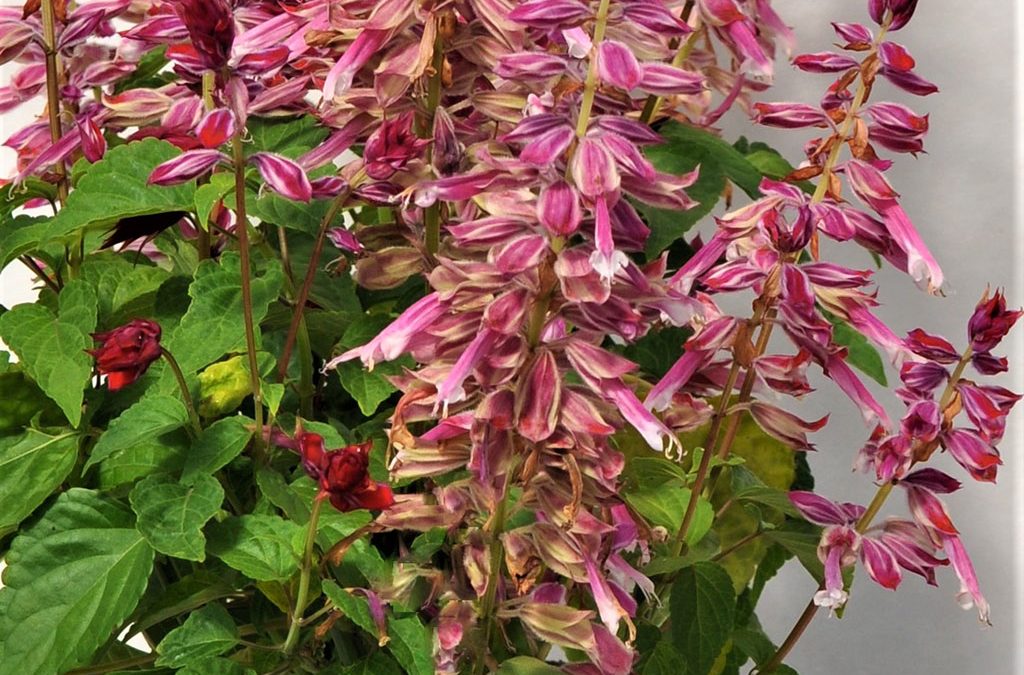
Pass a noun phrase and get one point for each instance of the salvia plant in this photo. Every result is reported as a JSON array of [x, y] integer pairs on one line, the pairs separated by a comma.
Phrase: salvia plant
[[383, 336]]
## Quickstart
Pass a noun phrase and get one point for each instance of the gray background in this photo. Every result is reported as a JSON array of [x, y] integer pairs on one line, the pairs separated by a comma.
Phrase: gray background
[[963, 196]]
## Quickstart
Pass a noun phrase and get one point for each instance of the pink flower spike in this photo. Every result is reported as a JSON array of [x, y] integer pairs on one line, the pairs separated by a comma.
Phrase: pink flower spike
[[983, 411], [186, 166], [929, 511], [216, 128], [970, 592], [94, 143], [617, 65], [606, 260], [283, 175], [974, 453], [990, 322], [450, 390]]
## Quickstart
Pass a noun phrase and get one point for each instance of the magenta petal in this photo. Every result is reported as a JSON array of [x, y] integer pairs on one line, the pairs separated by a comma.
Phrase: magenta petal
[[186, 166], [283, 175], [970, 593], [617, 65], [880, 563], [546, 148], [538, 401], [664, 80], [94, 144], [817, 509], [216, 128], [558, 209]]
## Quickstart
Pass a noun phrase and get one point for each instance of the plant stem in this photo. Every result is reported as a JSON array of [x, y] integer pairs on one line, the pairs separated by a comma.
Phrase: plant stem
[[738, 544], [203, 240], [53, 91], [590, 86], [488, 602], [304, 573], [432, 214], [653, 102], [39, 272], [193, 417], [307, 283], [242, 229], [140, 660], [862, 526]]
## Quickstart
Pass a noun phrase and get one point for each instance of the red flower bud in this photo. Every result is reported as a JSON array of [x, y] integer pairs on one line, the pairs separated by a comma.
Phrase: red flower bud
[[343, 475], [990, 322], [211, 28], [391, 147], [125, 353]]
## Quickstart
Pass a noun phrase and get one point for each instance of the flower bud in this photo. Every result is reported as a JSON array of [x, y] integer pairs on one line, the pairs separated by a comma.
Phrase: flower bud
[[558, 209], [991, 322], [125, 353], [391, 147]]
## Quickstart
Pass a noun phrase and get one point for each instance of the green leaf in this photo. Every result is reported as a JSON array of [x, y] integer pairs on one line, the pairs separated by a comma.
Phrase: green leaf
[[300, 216], [861, 354], [684, 149], [146, 420], [72, 578], [20, 235], [151, 456], [412, 645], [665, 505], [219, 443], [368, 388], [117, 187], [215, 666], [258, 546], [657, 351], [527, 665], [214, 323], [702, 607], [147, 72], [425, 545], [288, 136], [646, 472], [125, 288], [801, 539], [377, 663], [52, 348], [32, 465], [665, 660], [171, 515], [209, 631], [274, 487], [355, 608], [208, 194], [223, 386], [21, 400]]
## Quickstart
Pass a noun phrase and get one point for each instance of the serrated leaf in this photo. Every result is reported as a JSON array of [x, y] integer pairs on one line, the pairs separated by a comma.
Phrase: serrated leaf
[[274, 487], [215, 666], [171, 515], [801, 539], [224, 385], [32, 465], [657, 351], [527, 665], [117, 187], [208, 194], [147, 419], [861, 354], [288, 136], [164, 455], [51, 347], [219, 443], [665, 505], [209, 631], [767, 496], [702, 606], [300, 216], [214, 323], [646, 472], [21, 400], [20, 235], [125, 288], [665, 660], [412, 645], [72, 578], [368, 388], [258, 546], [356, 609]]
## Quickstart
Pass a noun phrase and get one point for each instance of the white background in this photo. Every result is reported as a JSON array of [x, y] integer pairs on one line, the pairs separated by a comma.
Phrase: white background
[[964, 197]]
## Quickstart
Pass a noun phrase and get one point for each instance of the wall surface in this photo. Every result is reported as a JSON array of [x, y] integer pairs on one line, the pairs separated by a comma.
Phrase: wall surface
[[963, 196]]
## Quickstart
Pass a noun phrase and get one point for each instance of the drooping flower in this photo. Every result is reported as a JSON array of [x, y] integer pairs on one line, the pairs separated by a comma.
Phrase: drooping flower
[[126, 352], [343, 475]]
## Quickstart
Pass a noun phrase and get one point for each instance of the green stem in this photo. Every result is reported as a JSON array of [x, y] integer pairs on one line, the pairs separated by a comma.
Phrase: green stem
[[740, 543], [307, 283], [653, 102], [246, 273], [301, 599], [488, 602], [39, 272], [432, 214], [113, 666], [193, 416], [590, 86]]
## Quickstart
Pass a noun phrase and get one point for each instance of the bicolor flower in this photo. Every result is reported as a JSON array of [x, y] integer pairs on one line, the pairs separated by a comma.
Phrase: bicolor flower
[[126, 352]]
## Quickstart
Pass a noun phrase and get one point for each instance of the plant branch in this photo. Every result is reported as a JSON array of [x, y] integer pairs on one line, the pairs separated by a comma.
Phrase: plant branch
[[590, 86], [53, 91], [304, 573], [246, 274], [39, 272], [193, 416]]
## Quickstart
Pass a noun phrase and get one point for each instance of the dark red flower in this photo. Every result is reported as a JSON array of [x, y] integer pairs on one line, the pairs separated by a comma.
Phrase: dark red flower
[[125, 353], [344, 474], [990, 322], [211, 27]]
